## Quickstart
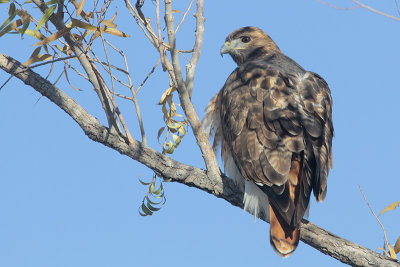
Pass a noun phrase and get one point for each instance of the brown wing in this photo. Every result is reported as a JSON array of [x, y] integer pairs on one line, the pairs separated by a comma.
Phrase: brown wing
[[270, 119]]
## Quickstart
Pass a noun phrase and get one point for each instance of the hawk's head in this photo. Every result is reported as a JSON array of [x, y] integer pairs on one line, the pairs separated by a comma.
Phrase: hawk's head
[[246, 43]]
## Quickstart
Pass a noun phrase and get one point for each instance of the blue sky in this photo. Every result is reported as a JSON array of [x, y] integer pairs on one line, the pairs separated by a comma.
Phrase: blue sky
[[67, 201]]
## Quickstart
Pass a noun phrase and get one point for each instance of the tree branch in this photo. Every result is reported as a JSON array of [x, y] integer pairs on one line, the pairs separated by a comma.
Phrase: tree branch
[[198, 131], [219, 186], [360, 5], [375, 11], [88, 65], [191, 66]]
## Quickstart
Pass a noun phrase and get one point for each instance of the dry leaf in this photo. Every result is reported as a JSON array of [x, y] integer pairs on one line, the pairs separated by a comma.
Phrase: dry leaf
[[109, 24], [83, 25], [390, 207], [397, 246], [80, 8], [116, 32], [392, 253], [54, 37]]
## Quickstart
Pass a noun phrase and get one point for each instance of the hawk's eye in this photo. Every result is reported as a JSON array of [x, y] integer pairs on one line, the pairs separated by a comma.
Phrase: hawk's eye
[[245, 39]]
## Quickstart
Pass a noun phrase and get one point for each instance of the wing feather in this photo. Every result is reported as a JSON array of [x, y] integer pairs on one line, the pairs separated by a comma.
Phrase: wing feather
[[269, 118]]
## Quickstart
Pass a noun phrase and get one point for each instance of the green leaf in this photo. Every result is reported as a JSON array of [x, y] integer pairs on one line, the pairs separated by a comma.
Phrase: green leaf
[[11, 11], [152, 208], [171, 147], [160, 196], [62, 49], [51, 2], [152, 187], [34, 34], [173, 125], [165, 200], [159, 190], [152, 202], [160, 131], [390, 207], [146, 210], [46, 16], [12, 15], [83, 25], [143, 183], [25, 26], [4, 1], [142, 214], [10, 27]]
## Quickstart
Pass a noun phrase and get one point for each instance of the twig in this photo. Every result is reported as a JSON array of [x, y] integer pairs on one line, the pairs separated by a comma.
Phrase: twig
[[77, 71], [50, 61], [383, 228], [128, 134], [138, 6], [37, 65], [51, 67], [149, 32], [339, 8], [184, 16], [148, 75], [56, 81], [9, 78], [112, 66], [134, 98], [90, 69], [108, 64], [185, 51], [361, 5], [376, 11], [397, 7], [124, 97]]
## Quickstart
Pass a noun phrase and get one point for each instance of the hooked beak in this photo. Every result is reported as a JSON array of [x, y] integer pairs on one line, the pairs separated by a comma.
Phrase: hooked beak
[[225, 48]]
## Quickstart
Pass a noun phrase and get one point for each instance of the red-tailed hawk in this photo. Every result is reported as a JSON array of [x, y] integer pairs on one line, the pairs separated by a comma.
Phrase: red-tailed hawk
[[273, 120]]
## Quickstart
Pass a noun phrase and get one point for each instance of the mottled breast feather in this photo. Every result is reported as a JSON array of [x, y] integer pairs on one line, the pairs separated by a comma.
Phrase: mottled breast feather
[[273, 112]]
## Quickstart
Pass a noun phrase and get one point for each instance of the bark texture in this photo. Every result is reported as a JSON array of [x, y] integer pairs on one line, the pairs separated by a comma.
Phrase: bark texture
[[221, 187]]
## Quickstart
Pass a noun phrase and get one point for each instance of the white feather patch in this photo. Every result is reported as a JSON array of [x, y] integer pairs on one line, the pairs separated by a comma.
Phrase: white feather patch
[[232, 170], [255, 200], [307, 213]]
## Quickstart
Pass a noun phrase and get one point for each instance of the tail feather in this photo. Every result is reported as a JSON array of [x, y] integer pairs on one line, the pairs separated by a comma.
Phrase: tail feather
[[283, 237]]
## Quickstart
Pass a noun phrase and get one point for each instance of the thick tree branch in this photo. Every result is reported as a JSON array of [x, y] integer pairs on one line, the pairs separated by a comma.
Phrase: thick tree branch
[[221, 187], [198, 131]]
